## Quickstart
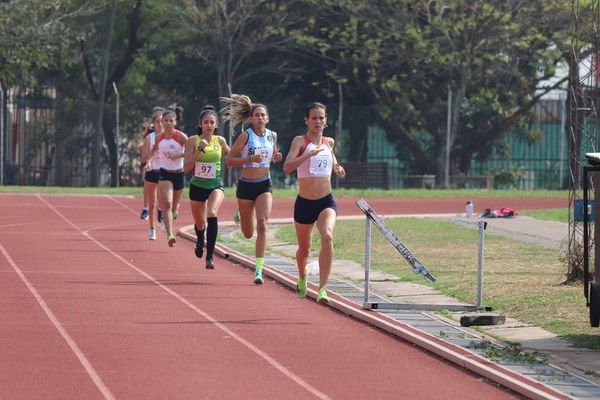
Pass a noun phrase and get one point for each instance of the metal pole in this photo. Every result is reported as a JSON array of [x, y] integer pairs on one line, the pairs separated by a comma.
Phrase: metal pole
[[563, 134], [448, 128], [97, 144], [482, 226], [116, 133], [2, 130], [230, 141], [367, 257]]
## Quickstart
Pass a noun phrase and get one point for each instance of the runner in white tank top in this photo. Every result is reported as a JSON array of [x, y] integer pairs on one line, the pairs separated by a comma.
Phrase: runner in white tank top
[[170, 147], [151, 172], [311, 156]]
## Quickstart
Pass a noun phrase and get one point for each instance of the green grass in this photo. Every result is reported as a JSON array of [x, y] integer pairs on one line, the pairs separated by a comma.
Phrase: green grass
[[553, 214], [521, 280], [290, 193]]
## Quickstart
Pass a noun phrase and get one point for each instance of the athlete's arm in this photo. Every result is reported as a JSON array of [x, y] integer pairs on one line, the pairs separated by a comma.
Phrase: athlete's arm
[[234, 157], [189, 155]]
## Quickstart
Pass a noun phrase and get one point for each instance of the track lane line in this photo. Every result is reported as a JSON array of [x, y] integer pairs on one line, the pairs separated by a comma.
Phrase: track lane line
[[87, 365], [255, 349]]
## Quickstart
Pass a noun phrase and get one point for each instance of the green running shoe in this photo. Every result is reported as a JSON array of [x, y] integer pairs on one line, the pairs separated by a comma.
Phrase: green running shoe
[[322, 296], [258, 278], [171, 240], [302, 285]]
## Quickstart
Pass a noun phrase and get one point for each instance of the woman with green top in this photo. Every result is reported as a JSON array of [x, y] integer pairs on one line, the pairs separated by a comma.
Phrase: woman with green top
[[203, 155]]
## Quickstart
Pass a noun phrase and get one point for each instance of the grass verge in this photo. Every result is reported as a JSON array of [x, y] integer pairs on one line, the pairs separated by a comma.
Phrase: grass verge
[[291, 193], [521, 280]]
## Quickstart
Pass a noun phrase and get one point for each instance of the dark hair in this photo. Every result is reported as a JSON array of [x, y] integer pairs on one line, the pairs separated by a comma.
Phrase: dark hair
[[168, 111], [314, 105], [207, 110], [179, 113]]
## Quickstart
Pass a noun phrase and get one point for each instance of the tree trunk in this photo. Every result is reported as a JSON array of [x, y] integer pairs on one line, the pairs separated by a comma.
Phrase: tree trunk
[[456, 99], [575, 122]]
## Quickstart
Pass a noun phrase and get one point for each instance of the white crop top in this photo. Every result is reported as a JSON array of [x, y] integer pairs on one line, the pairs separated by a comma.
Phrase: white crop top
[[167, 147], [320, 164]]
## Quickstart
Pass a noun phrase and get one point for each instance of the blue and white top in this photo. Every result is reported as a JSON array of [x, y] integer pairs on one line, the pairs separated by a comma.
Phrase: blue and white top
[[257, 144]]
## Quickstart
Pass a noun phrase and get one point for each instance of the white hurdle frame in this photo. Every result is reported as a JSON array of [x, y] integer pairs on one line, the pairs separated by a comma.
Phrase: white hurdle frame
[[482, 225]]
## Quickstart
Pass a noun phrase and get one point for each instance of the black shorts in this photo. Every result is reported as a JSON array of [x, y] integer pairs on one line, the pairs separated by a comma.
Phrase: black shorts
[[307, 211], [175, 177], [251, 190], [201, 194], [152, 176]]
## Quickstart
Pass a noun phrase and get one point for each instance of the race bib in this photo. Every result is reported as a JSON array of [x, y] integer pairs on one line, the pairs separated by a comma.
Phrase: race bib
[[205, 170], [267, 153], [320, 165]]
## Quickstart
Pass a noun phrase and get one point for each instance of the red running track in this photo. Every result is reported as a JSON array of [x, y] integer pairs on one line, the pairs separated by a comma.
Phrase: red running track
[[90, 309]]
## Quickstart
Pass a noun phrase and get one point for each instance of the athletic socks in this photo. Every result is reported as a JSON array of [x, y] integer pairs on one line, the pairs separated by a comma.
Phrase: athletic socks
[[212, 229], [258, 279], [199, 242]]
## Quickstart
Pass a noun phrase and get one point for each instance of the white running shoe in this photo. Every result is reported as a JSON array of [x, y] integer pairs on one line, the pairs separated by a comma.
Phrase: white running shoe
[[152, 234]]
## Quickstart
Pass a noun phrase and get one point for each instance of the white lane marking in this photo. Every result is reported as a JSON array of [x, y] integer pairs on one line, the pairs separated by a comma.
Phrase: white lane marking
[[123, 204], [63, 332], [20, 224], [277, 365]]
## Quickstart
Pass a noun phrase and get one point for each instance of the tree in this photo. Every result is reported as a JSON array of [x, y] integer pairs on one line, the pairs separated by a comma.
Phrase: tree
[[227, 35], [491, 55]]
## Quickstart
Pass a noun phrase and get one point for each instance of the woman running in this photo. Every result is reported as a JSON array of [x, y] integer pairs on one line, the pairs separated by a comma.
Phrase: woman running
[[253, 150], [170, 149], [151, 171], [311, 156], [203, 154]]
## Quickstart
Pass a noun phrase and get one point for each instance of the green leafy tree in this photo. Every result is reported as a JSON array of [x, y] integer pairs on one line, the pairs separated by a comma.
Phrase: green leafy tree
[[490, 55]]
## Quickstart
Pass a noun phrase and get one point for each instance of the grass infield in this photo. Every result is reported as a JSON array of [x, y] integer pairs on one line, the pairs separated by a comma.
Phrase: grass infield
[[521, 280]]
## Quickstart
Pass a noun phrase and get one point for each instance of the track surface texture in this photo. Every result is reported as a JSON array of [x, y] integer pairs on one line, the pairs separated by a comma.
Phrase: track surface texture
[[91, 309]]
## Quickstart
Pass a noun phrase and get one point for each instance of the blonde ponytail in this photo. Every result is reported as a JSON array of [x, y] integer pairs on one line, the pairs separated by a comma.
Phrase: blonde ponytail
[[238, 109]]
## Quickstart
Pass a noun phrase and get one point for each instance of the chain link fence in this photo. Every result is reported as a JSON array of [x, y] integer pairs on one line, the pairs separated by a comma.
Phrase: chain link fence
[[49, 140]]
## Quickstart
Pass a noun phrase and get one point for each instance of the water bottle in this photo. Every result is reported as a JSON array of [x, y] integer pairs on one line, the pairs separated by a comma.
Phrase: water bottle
[[313, 267], [469, 209]]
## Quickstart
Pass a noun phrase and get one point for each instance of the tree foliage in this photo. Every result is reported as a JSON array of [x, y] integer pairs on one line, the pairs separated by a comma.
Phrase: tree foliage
[[399, 63]]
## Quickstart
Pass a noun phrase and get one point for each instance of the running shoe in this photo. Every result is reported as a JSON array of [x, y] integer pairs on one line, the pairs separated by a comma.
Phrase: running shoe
[[302, 285], [258, 278], [322, 296], [209, 263], [152, 234], [144, 214], [172, 240], [163, 227], [236, 217], [175, 214], [199, 251]]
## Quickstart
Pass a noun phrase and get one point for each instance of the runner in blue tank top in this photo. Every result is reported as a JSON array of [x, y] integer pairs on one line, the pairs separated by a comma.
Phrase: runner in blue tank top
[[254, 150]]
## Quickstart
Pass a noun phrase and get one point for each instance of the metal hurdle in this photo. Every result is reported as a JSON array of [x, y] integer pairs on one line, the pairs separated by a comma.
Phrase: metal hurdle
[[372, 217]]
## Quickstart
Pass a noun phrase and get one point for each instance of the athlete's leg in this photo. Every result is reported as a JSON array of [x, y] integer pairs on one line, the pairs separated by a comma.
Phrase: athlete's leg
[[326, 225], [247, 218]]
